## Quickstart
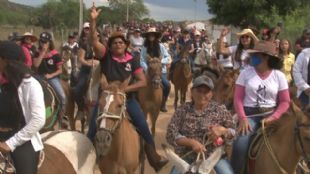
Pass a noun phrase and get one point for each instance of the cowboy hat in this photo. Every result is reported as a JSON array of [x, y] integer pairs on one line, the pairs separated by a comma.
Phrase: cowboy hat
[[248, 32], [265, 47], [152, 30], [197, 33], [32, 37]]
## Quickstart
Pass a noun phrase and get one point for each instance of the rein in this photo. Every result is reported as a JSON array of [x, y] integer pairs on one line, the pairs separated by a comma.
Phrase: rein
[[106, 114], [268, 145]]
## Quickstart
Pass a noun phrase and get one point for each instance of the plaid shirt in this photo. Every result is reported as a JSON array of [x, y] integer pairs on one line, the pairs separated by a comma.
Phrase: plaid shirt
[[187, 122]]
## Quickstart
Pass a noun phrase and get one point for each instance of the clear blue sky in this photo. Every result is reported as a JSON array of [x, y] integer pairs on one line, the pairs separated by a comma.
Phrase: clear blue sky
[[159, 9]]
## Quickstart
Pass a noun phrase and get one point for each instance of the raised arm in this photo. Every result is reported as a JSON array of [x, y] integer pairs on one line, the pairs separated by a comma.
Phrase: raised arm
[[221, 48], [99, 48]]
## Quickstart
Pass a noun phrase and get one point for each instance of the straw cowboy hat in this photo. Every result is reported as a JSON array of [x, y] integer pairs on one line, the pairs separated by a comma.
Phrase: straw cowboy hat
[[152, 30], [265, 47], [248, 32], [32, 37], [197, 33]]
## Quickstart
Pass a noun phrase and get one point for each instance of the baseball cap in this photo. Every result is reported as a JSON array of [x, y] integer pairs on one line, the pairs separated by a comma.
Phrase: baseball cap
[[203, 80]]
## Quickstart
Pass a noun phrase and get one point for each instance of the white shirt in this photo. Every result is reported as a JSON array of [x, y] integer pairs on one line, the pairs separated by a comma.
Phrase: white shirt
[[300, 71], [261, 93], [244, 58], [32, 101], [137, 42], [225, 62]]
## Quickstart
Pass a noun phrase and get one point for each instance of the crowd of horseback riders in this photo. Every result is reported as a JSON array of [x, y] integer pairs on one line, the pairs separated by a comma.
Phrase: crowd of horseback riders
[[135, 66]]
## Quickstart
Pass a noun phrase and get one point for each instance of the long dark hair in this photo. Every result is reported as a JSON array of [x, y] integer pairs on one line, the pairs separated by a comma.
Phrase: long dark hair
[[152, 48], [240, 48], [275, 63], [16, 71], [281, 52]]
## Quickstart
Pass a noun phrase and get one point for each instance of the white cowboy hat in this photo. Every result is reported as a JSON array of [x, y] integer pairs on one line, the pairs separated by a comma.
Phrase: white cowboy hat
[[248, 32], [152, 30], [32, 37]]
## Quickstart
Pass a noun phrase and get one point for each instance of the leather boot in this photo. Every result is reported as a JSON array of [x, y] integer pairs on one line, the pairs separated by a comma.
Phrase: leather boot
[[155, 160], [163, 107]]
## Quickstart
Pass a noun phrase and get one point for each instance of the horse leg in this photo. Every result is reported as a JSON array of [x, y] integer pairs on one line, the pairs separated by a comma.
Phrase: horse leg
[[183, 96], [154, 115], [176, 97]]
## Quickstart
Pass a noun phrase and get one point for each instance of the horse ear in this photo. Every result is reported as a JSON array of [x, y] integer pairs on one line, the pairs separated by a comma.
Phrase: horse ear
[[103, 82], [125, 83]]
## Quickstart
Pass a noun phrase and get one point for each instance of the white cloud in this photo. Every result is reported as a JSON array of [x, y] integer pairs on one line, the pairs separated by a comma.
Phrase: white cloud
[[170, 13]]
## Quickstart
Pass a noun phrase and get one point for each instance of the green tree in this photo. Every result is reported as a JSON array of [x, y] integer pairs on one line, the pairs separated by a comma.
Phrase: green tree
[[236, 12], [137, 9], [55, 13]]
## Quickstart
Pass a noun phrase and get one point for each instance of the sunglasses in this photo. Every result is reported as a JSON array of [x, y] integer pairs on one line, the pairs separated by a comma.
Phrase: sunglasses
[[245, 37]]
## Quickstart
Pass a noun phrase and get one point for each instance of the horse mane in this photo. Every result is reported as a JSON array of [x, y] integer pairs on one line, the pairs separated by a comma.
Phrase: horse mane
[[292, 113], [114, 86]]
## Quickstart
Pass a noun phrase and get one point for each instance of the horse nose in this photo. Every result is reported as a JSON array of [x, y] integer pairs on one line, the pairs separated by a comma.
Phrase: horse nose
[[156, 83]]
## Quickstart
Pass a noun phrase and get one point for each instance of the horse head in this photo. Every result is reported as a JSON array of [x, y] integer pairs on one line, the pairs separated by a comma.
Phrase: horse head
[[224, 89], [154, 71], [112, 110]]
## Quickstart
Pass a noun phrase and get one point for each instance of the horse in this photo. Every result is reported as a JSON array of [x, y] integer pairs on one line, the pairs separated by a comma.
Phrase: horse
[[225, 87], [287, 138], [53, 104], [65, 152], [117, 142], [150, 97], [182, 76]]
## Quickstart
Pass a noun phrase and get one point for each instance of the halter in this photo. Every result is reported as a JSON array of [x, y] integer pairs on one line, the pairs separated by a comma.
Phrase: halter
[[106, 114], [297, 132]]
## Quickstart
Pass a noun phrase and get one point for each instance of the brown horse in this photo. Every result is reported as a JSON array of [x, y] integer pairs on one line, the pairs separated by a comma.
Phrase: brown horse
[[150, 97], [224, 88], [181, 77], [116, 141], [65, 152], [289, 140]]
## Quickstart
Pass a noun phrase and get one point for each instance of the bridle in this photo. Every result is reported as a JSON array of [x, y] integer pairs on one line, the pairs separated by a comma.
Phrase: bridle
[[101, 120], [303, 152]]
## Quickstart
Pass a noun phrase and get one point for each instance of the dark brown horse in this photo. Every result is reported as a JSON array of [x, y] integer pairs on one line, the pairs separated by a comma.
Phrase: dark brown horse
[[150, 97], [116, 141], [181, 77]]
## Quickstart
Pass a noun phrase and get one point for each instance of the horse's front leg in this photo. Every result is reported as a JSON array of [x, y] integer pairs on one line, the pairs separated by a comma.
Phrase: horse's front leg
[[176, 97], [183, 96]]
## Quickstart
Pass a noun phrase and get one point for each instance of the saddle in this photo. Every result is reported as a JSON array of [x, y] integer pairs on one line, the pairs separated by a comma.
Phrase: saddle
[[257, 143]]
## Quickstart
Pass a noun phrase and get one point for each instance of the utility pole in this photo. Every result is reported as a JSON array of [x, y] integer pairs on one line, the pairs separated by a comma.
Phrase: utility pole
[[127, 14], [81, 17]]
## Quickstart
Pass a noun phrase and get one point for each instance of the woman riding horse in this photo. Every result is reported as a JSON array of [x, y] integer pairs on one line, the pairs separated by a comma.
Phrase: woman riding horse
[[153, 48], [22, 110], [261, 93], [48, 64], [118, 65]]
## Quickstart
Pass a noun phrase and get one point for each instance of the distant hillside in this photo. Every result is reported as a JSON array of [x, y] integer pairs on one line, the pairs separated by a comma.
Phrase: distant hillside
[[14, 14]]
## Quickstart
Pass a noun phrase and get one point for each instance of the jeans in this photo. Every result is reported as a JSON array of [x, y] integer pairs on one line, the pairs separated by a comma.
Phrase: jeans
[[166, 85], [56, 85], [222, 167], [241, 146], [80, 88], [304, 100], [136, 115]]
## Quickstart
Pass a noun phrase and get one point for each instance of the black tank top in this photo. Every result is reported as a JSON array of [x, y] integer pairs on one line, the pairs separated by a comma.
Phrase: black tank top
[[11, 114]]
